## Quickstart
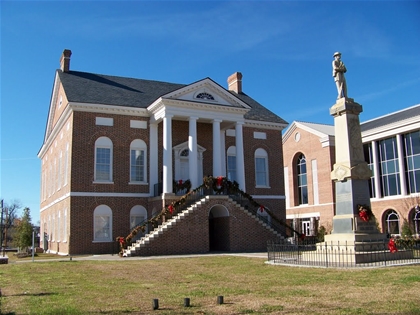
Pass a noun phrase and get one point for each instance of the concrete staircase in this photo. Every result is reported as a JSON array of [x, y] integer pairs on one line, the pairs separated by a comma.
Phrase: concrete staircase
[[172, 223]]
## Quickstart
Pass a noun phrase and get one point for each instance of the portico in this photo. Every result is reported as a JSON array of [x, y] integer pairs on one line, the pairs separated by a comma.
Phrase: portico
[[184, 159], [192, 153]]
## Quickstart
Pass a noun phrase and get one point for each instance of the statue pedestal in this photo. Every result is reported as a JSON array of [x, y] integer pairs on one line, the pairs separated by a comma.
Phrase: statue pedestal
[[351, 174]]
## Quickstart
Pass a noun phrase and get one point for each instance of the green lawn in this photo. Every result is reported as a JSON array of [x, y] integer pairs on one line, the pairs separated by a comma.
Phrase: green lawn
[[248, 285]]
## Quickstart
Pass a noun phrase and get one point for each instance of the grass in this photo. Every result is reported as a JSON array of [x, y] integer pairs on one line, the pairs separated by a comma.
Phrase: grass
[[248, 285]]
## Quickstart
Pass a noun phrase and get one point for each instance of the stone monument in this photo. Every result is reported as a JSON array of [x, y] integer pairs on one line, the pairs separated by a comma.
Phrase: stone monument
[[351, 172]]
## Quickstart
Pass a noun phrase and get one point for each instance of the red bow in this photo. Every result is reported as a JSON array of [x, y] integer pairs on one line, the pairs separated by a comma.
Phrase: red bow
[[171, 208], [363, 215], [261, 208], [392, 247], [219, 181]]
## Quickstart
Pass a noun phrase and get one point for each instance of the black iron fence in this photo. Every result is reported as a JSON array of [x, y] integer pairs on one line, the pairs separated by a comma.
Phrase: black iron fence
[[342, 255]]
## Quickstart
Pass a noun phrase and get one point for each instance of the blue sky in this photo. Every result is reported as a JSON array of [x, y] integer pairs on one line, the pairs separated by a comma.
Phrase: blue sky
[[283, 49]]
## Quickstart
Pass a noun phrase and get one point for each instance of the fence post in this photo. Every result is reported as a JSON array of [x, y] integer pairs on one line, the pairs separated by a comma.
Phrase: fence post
[[326, 254]]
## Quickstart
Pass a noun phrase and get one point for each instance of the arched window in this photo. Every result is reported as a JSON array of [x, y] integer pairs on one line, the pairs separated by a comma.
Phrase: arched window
[[231, 163], [261, 168], [138, 159], [302, 180], [102, 224], [416, 220], [138, 214], [103, 160], [392, 222]]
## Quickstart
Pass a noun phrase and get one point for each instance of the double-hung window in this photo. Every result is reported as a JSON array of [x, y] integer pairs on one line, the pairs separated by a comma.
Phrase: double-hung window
[[103, 160], [261, 168], [102, 224], [138, 155], [231, 164]]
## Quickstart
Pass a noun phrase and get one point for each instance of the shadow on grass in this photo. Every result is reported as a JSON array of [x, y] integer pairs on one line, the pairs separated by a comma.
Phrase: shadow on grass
[[31, 294]]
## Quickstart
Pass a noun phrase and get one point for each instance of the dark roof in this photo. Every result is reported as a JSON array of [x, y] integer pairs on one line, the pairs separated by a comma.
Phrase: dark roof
[[391, 118], [258, 111], [83, 87]]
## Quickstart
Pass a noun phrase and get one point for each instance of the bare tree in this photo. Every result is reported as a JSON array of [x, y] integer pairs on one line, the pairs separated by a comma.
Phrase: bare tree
[[10, 214]]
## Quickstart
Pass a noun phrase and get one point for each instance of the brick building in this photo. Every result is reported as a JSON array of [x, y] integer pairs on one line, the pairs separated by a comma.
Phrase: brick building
[[114, 148], [392, 150]]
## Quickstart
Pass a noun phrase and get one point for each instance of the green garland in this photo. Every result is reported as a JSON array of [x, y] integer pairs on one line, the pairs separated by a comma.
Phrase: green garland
[[218, 184]]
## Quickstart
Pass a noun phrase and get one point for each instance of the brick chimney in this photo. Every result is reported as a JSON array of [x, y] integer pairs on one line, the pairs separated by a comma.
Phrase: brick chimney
[[65, 60], [235, 82]]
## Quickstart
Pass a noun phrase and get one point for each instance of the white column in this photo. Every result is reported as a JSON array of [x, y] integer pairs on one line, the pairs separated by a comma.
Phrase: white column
[[400, 149], [240, 164], [223, 153], [192, 155], [217, 166], [167, 155], [376, 178], [154, 174]]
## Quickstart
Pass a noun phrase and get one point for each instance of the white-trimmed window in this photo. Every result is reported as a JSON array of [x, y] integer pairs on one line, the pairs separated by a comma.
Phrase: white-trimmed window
[[261, 168], [65, 226], [138, 214], [60, 170], [138, 157], [302, 180], [103, 160], [66, 165], [102, 224], [231, 163], [392, 220], [58, 226]]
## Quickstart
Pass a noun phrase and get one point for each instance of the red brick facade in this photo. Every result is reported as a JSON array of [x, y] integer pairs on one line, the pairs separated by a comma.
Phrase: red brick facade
[[307, 139], [70, 194]]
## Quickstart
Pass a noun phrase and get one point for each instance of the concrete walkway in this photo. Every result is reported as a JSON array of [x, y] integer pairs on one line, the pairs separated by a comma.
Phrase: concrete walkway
[[109, 257]]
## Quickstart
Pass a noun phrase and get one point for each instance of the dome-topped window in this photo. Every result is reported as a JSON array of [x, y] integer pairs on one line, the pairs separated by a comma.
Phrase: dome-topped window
[[205, 96]]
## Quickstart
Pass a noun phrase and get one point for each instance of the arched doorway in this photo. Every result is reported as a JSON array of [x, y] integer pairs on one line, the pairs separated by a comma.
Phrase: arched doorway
[[181, 159], [219, 235]]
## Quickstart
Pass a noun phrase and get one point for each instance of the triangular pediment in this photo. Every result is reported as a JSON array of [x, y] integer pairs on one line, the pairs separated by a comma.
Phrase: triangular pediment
[[206, 91]]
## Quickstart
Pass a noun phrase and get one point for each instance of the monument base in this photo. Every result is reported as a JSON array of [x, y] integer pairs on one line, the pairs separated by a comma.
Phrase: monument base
[[357, 248]]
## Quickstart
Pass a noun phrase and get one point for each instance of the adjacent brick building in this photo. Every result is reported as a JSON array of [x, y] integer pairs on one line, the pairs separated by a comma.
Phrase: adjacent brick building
[[114, 146], [392, 150]]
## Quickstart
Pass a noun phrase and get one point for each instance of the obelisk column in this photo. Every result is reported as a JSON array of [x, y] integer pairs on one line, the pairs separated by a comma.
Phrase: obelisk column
[[351, 172]]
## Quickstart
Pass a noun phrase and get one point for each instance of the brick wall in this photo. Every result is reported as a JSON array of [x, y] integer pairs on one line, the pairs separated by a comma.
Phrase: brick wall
[[238, 232]]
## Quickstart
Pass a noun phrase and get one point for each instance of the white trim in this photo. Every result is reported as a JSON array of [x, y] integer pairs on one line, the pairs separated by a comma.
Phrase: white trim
[[95, 194], [109, 109], [315, 187], [209, 84], [108, 194], [391, 130], [280, 197], [264, 125], [286, 186], [303, 206], [303, 215]]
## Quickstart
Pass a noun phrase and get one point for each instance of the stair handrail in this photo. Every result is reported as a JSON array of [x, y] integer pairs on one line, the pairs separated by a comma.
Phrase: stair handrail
[[211, 185]]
